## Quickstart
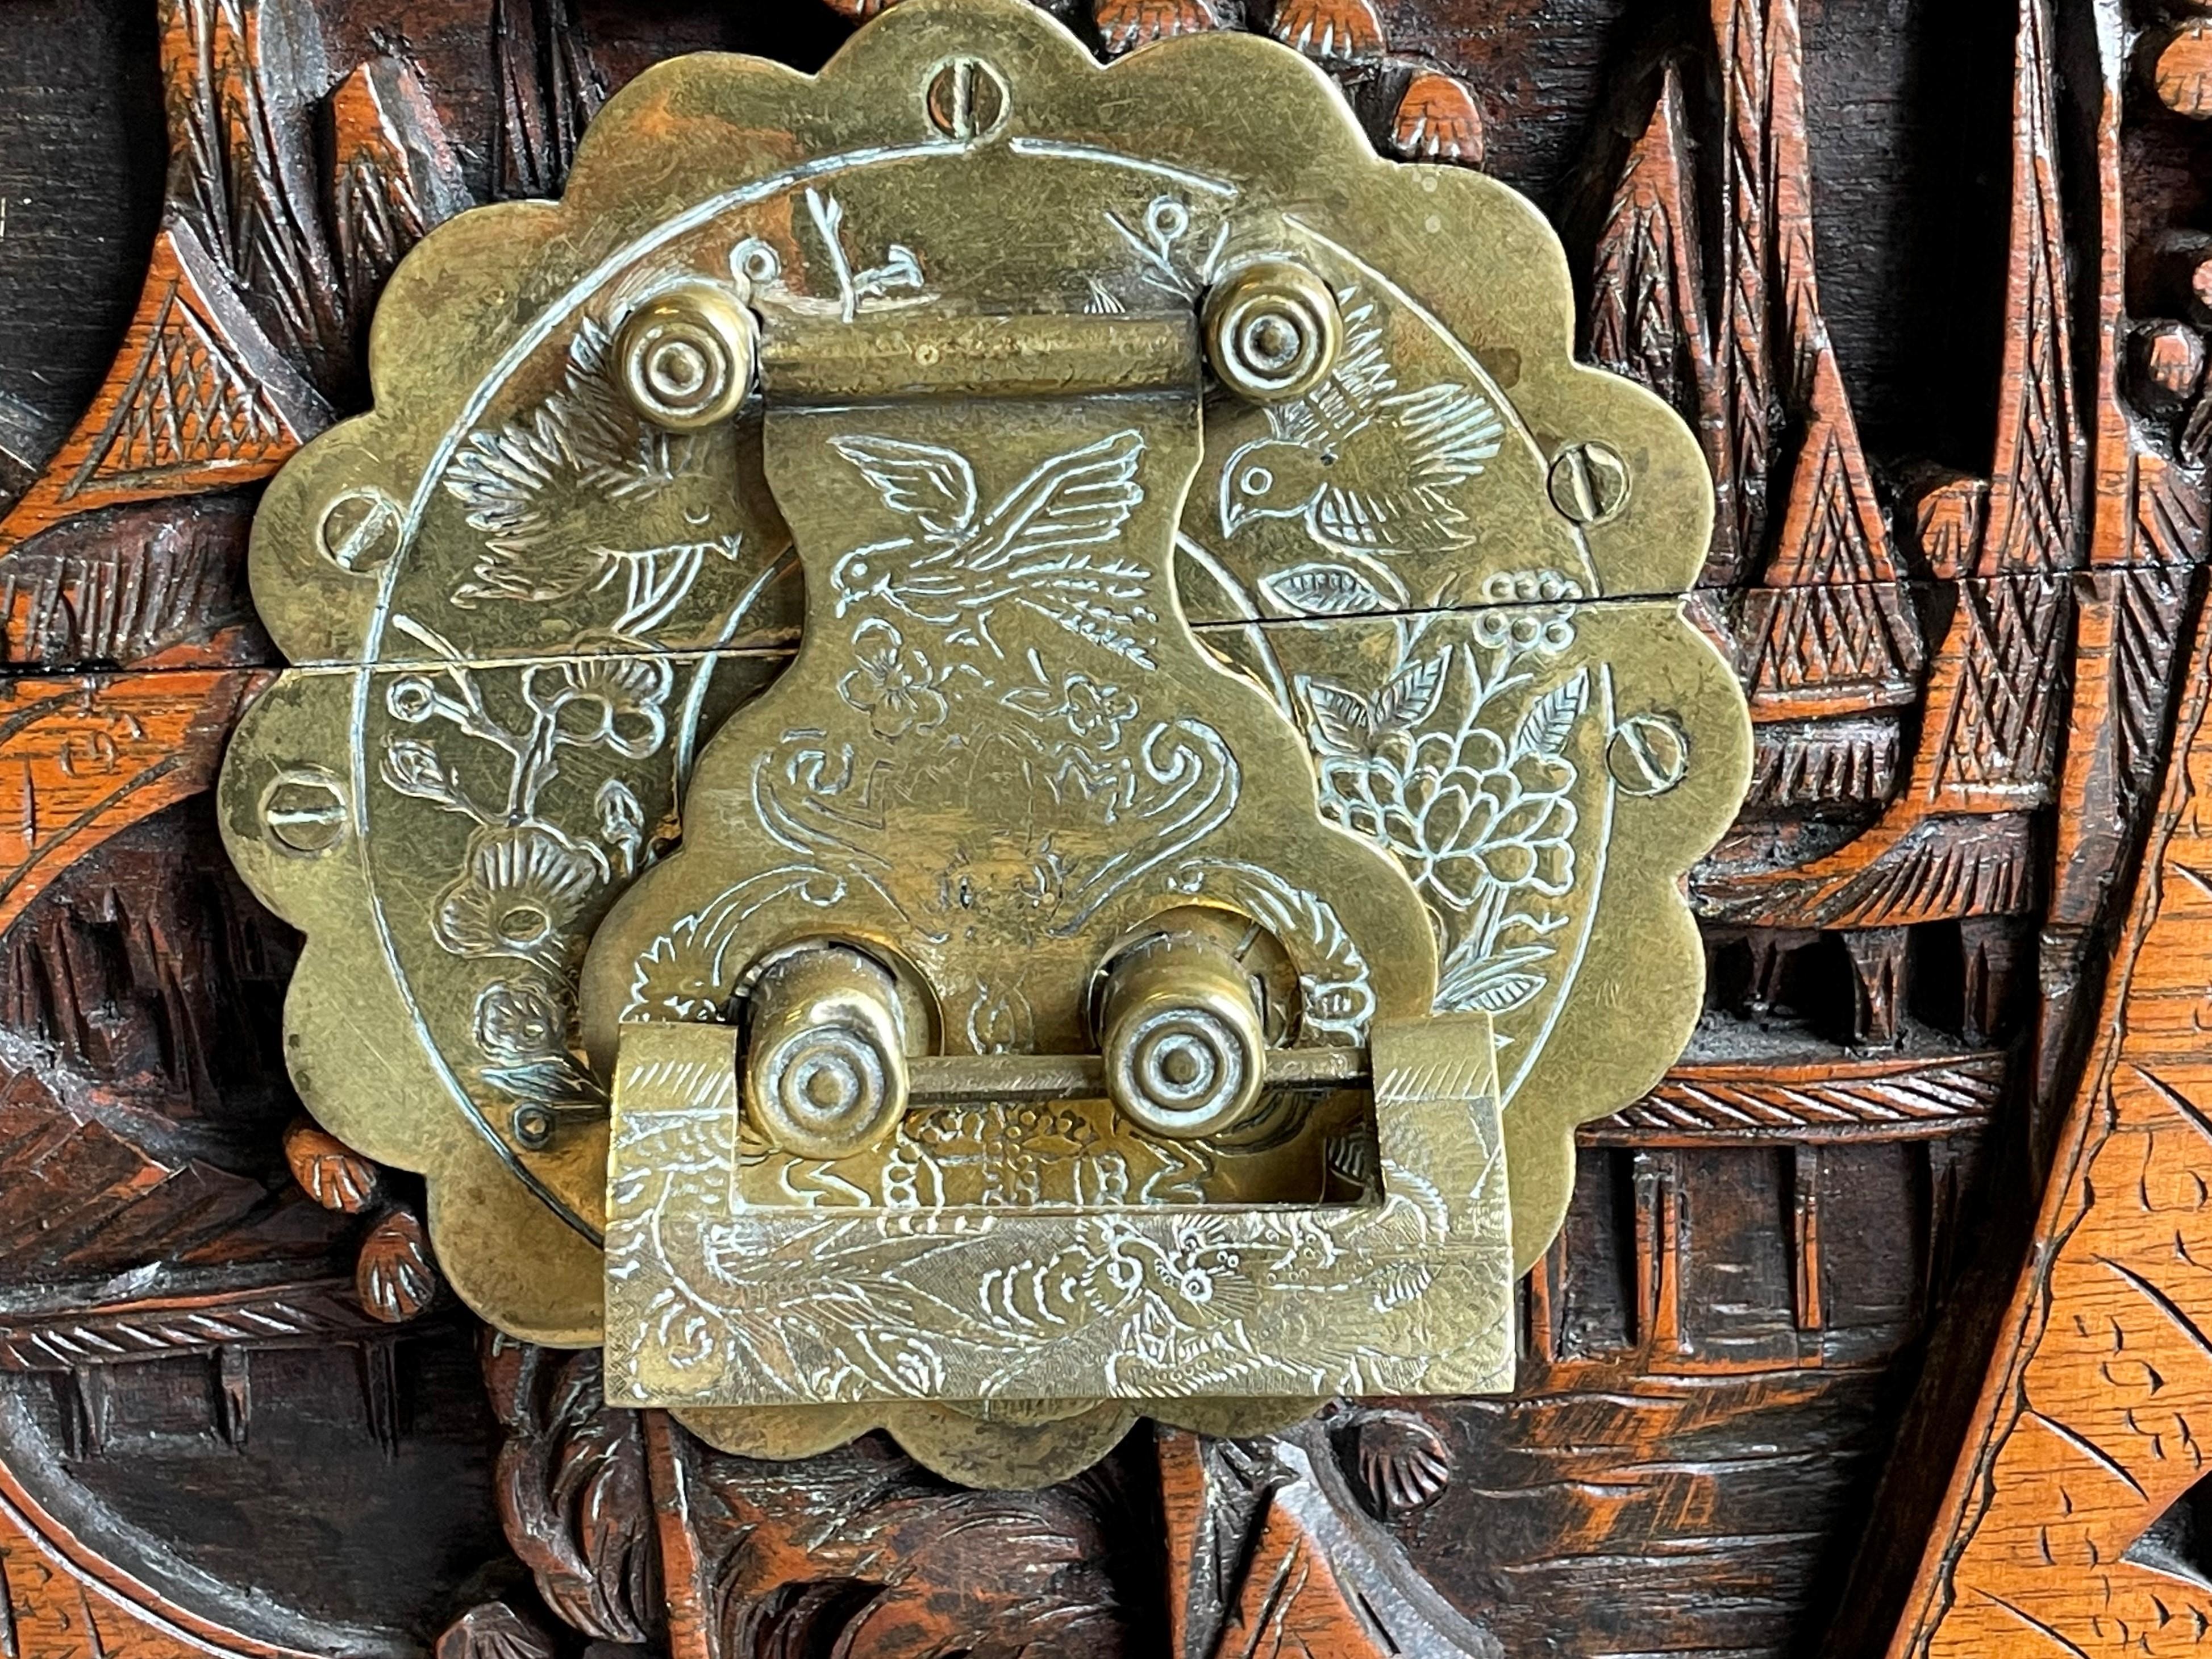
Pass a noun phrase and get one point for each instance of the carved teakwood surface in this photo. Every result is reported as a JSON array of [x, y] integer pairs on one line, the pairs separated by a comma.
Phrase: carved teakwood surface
[[1957, 568]]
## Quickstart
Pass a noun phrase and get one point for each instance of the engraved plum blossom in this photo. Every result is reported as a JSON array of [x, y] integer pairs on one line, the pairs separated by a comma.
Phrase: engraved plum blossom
[[1097, 712], [522, 889], [602, 701], [894, 684]]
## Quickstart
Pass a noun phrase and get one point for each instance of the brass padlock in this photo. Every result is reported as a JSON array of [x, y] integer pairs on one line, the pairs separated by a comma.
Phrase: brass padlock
[[982, 745]]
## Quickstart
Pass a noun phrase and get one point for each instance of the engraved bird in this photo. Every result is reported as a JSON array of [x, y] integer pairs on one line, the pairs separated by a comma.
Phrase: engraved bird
[[1039, 548], [582, 494], [1368, 469]]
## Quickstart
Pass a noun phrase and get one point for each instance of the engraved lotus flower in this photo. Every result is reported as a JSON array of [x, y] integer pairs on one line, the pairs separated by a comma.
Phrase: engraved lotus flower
[[520, 894]]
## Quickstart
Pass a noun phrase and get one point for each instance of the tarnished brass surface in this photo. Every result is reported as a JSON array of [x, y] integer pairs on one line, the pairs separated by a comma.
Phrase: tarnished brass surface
[[788, 1304], [1201, 530]]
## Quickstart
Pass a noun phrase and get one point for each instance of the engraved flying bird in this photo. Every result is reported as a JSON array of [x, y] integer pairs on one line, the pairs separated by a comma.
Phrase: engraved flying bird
[[582, 493], [1368, 469], [1038, 548]]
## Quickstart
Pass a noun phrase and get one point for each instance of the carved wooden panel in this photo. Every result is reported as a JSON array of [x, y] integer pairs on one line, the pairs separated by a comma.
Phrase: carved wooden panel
[[1820, 1362]]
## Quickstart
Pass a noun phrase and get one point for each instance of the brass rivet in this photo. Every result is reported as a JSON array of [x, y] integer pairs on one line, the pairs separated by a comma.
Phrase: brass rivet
[[1590, 483], [1273, 331], [360, 528], [303, 812], [967, 99], [686, 357], [533, 1126], [1649, 755]]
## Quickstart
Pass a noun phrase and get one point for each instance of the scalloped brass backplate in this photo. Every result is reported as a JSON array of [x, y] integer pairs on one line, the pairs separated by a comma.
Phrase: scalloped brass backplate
[[982, 745]]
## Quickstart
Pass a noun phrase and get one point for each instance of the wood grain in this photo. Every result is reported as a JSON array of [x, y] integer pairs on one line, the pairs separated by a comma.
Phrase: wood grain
[[1930, 283]]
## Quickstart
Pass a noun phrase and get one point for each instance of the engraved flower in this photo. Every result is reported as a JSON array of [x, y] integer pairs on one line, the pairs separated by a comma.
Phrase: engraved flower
[[519, 895], [602, 701], [1464, 813], [1097, 711], [894, 684]]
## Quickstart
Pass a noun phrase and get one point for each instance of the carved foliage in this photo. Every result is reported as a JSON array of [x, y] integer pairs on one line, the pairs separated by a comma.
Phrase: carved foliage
[[861, 1551], [571, 1482]]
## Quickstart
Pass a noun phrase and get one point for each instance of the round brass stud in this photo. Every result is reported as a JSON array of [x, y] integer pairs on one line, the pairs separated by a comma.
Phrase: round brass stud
[[533, 1126], [686, 357], [1589, 483], [1185, 1048], [824, 1067], [1273, 331]]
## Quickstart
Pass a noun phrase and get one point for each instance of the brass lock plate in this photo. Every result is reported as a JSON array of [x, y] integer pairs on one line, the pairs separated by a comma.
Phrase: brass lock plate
[[1194, 514]]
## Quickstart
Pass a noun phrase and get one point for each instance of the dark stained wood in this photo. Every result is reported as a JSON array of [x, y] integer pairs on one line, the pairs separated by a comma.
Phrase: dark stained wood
[[1930, 278]]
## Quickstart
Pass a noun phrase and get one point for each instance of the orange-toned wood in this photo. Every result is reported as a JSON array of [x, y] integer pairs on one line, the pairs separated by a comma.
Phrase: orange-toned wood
[[1271, 1552], [2096, 1416], [84, 758]]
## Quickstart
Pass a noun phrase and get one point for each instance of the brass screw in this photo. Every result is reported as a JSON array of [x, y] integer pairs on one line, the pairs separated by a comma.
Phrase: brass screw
[[303, 812], [686, 357], [1273, 331], [967, 99], [1649, 754], [361, 529], [1590, 483]]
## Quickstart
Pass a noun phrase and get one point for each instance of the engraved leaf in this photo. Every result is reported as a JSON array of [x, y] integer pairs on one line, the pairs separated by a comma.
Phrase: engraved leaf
[[1545, 729], [1501, 991], [1496, 984], [1324, 590], [557, 1078], [1411, 695], [1341, 719]]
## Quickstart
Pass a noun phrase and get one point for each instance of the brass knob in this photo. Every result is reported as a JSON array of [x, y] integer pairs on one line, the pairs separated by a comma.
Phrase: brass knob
[[1185, 1047], [1273, 331], [686, 357], [825, 1068]]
